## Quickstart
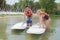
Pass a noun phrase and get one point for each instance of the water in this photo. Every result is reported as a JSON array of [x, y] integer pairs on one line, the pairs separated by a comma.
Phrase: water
[[7, 34]]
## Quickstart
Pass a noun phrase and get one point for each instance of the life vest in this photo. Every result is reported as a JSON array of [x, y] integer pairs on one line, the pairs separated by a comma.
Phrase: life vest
[[29, 14]]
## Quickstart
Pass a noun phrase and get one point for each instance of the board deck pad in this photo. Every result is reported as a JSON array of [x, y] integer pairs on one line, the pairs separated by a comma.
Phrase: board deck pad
[[35, 29], [20, 25]]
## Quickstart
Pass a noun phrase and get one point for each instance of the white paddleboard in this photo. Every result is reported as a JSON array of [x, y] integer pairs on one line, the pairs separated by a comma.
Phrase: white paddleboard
[[35, 29], [20, 25]]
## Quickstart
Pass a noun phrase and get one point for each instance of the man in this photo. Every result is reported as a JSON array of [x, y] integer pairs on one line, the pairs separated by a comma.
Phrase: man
[[28, 15]]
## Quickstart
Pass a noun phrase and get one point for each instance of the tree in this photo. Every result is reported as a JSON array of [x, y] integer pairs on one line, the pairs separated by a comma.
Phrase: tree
[[24, 3], [48, 5], [58, 9], [2, 4], [36, 7]]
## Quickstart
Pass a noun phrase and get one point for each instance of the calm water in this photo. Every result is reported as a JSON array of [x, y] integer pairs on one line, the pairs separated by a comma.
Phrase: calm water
[[7, 34]]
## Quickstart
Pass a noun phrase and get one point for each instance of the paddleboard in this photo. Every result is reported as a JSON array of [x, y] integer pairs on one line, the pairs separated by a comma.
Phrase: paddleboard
[[20, 25], [35, 29]]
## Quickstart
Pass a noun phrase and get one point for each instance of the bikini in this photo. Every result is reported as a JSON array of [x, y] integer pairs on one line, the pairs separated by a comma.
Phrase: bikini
[[46, 17]]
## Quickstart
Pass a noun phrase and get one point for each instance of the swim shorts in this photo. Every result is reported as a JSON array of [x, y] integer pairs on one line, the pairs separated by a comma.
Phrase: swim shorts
[[29, 20]]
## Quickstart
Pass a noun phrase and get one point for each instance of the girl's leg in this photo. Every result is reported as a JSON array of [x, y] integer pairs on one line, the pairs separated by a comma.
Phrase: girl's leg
[[48, 24], [41, 25]]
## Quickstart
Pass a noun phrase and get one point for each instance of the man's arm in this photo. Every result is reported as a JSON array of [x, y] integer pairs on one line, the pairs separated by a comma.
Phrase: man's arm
[[25, 15]]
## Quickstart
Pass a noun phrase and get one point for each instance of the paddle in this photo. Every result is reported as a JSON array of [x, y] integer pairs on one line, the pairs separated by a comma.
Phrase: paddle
[[23, 23]]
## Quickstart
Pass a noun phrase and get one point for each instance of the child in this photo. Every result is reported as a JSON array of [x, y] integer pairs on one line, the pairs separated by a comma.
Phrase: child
[[28, 15], [43, 17]]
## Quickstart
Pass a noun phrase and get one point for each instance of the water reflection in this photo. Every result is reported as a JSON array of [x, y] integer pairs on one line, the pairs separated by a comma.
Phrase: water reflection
[[17, 31], [2, 29], [44, 36], [7, 34], [18, 34], [55, 35]]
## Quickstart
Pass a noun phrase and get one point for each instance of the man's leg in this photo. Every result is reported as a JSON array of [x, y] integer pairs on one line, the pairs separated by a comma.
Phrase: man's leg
[[27, 22], [30, 24]]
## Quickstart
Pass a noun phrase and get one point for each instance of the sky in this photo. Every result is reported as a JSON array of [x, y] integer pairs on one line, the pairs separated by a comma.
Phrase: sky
[[11, 2]]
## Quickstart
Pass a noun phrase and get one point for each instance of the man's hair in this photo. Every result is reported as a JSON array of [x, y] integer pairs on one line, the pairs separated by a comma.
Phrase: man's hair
[[27, 6]]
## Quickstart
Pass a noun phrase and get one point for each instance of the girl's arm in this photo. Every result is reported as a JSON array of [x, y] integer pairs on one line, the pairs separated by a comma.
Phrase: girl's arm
[[38, 12]]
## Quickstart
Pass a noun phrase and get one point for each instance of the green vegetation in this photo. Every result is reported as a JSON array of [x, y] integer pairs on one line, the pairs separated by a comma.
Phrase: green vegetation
[[49, 6], [2, 4]]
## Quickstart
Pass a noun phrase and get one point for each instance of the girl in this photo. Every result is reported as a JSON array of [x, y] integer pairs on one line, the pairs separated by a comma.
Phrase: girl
[[43, 17]]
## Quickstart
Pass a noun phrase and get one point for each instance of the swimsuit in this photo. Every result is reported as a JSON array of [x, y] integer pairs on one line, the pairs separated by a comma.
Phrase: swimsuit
[[46, 17]]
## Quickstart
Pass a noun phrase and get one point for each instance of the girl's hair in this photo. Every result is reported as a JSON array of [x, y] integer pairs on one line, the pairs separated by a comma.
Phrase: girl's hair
[[43, 10]]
